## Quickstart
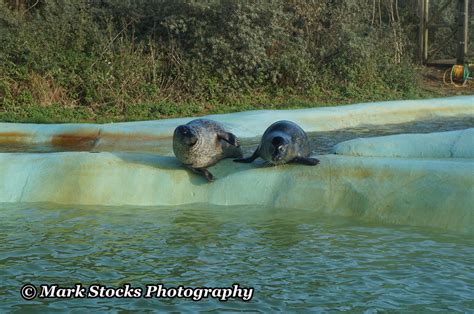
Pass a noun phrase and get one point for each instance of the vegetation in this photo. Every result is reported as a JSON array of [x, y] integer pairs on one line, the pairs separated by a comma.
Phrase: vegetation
[[112, 60]]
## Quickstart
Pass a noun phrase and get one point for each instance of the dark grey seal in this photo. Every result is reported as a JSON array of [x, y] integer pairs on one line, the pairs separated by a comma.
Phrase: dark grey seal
[[202, 143], [283, 142]]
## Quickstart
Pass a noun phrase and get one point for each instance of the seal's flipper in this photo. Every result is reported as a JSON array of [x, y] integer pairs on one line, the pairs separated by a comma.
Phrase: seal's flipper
[[229, 138], [249, 159], [306, 161], [204, 172]]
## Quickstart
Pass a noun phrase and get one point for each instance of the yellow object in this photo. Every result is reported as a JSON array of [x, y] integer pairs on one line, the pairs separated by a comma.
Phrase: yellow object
[[457, 73]]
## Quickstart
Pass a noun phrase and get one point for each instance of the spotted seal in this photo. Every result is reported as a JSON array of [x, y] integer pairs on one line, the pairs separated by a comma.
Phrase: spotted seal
[[202, 143], [283, 142]]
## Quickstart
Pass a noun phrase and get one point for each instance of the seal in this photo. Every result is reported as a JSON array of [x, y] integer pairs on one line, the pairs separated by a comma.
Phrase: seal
[[202, 143], [283, 142]]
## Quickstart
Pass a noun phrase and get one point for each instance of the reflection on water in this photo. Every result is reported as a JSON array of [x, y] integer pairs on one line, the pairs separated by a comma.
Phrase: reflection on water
[[321, 142], [296, 260]]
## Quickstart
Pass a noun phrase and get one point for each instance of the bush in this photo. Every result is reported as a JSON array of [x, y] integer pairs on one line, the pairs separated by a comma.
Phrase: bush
[[111, 55]]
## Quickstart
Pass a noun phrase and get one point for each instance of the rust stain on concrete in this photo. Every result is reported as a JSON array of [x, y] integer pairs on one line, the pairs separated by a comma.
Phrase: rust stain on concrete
[[76, 140], [14, 137]]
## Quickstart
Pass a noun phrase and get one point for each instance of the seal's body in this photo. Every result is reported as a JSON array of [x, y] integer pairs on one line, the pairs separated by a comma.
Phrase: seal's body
[[202, 143], [283, 142]]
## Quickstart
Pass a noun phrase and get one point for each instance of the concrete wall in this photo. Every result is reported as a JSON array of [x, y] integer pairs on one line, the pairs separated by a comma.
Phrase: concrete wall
[[454, 144], [427, 192]]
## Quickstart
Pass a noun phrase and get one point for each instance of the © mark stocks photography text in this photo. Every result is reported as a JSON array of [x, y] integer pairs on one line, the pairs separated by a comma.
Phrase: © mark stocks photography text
[[30, 292]]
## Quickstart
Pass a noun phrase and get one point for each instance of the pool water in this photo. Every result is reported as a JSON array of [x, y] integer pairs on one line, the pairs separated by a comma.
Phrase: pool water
[[296, 260]]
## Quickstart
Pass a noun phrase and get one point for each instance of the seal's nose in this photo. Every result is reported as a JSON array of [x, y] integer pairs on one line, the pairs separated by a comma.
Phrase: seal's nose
[[182, 129], [277, 141]]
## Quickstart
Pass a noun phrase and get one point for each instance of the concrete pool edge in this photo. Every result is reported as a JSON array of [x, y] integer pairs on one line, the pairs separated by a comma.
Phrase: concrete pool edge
[[420, 192], [451, 144], [243, 124]]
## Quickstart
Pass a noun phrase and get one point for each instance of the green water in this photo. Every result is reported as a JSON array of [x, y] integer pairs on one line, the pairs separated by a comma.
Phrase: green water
[[295, 260]]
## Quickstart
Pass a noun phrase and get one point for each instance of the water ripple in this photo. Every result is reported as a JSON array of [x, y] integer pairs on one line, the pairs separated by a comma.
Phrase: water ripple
[[296, 260]]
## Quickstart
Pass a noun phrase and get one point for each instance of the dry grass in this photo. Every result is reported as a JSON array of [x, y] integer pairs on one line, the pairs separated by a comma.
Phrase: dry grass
[[45, 92]]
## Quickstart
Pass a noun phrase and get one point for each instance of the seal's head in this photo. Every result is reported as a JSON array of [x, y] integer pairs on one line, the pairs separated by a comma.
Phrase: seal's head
[[280, 149], [186, 135]]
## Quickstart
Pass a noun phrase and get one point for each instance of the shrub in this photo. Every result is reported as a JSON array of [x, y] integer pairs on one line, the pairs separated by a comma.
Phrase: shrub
[[110, 55]]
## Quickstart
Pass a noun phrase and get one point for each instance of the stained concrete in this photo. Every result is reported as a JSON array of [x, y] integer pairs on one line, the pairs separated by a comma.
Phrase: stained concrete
[[134, 136], [427, 192]]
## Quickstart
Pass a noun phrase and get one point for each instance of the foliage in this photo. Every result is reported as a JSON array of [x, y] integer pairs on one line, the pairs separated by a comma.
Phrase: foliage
[[153, 59]]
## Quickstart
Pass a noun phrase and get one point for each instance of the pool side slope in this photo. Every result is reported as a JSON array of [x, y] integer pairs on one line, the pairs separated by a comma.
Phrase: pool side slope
[[421, 192]]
